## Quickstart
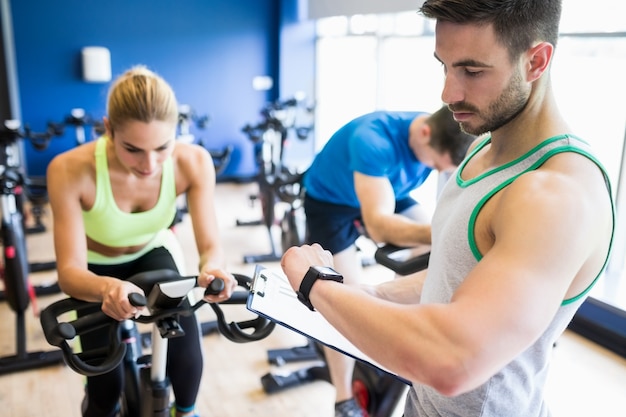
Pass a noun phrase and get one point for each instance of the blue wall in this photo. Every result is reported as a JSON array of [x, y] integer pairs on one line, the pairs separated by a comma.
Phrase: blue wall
[[209, 51], [297, 71]]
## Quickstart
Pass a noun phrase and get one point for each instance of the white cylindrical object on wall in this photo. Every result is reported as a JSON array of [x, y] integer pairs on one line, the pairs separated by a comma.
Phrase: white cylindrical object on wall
[[96, 64]]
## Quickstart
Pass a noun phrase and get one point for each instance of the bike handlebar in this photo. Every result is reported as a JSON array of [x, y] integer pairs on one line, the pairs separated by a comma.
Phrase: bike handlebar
[[280, 116], [400, 259], [160, 305], [10, 132]]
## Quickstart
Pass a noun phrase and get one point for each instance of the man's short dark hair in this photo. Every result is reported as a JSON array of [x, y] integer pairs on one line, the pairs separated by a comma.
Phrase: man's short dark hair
[[518, 24]]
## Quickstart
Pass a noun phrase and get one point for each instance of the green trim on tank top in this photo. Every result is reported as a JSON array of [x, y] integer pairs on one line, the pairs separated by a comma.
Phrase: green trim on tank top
[[561, 149], [466, 183]]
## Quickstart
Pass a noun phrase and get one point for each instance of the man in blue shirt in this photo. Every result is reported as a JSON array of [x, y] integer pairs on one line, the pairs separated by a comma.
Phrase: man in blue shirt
[[363, 177]]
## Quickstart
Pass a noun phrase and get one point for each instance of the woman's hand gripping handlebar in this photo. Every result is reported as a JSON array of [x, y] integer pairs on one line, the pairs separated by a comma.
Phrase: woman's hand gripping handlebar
[[167, 300]]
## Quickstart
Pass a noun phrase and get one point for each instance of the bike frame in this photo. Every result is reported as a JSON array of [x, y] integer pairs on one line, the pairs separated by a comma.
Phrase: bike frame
[[147, 387], [277, 182], [17, 290]]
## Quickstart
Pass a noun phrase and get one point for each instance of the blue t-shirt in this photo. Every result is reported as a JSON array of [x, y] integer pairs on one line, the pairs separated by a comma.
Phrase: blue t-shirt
[[375, 144]]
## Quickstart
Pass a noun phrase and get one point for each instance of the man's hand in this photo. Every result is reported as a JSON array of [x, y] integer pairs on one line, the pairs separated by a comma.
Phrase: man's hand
[[297, 260]]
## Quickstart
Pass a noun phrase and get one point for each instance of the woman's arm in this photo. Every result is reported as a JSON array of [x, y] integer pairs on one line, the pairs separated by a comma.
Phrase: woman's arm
[[68, 179], [198, 175]]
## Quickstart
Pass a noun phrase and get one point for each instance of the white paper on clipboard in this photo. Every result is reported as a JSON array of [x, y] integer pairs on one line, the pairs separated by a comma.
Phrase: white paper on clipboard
[[271, 296]]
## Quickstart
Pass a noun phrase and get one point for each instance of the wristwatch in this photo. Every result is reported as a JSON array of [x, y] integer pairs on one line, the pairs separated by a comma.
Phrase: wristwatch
[[313, 274]]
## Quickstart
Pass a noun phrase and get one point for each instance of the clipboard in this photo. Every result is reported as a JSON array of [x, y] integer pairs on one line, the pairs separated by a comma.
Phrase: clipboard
[[271, 296]]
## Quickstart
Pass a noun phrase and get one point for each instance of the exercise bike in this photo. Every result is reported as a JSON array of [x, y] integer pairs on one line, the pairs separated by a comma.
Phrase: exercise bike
[[187, 117], [278, 183], [80, 119], [34, 189], [147, 389], [17, 289], [376, 391]]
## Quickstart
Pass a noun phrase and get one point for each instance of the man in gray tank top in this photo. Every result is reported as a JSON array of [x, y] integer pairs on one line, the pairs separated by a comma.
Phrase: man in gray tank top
[[521, 232]]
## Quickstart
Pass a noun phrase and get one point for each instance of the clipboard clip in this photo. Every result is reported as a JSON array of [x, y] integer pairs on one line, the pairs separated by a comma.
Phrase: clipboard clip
[[260, 282]]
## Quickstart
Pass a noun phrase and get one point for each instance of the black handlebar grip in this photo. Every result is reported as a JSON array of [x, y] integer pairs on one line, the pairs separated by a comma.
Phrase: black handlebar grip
[[215, 287], [400, 260], [78, 365], [137, 300], [66, 331]]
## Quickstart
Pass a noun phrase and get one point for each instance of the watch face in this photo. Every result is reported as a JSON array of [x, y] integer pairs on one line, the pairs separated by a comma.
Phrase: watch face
[[326, 270]]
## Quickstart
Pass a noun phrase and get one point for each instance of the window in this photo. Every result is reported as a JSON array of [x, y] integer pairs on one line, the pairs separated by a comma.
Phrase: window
[[588, 83], [376, 62]]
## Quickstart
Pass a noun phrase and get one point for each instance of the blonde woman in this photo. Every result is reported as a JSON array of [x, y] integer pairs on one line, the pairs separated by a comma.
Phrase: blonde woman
[[113, 201]]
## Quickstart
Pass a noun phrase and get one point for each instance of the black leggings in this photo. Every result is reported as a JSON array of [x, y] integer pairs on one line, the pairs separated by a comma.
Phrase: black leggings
[[184, 355]]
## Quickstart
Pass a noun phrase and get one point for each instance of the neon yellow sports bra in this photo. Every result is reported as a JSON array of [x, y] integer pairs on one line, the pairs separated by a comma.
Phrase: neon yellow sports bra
[[107, 224]]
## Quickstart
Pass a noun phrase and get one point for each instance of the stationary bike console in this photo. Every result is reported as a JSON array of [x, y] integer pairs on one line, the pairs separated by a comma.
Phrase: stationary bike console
[[167, 300]]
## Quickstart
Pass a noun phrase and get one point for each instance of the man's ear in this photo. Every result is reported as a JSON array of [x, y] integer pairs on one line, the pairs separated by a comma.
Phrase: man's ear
[[425, 132], [539, 60]]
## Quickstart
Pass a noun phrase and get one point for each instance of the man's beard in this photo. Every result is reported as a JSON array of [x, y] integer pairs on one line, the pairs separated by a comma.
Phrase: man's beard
[[505, 108]]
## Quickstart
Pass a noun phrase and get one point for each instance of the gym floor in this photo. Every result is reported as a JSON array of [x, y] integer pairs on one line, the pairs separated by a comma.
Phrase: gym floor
[[585, 378]]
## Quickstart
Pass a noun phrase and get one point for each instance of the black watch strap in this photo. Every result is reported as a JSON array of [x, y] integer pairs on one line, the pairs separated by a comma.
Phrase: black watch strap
[[313, 274]]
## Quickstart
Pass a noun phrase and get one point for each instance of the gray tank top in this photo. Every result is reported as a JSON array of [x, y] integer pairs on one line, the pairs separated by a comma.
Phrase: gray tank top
[[517, 390]]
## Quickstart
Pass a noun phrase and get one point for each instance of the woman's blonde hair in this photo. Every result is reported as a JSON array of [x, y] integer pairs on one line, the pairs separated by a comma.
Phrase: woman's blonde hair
[[140, 95]]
